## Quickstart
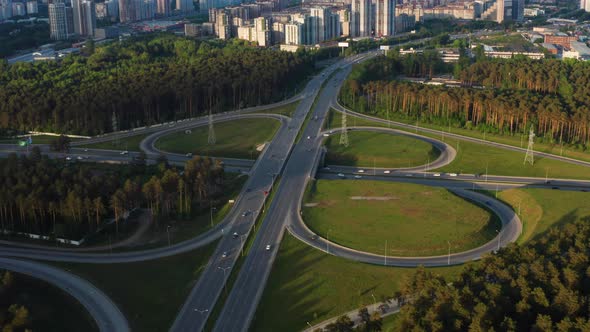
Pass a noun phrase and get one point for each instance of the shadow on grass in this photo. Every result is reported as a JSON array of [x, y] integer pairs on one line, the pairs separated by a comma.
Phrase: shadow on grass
[[567, 218]]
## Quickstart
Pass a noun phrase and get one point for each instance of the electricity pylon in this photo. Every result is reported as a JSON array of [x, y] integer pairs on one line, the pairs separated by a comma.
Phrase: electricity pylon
[[529, 151], [344, 133]]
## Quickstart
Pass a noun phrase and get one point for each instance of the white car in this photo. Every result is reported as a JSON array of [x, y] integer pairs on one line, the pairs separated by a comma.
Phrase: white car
[[189, 155], [79, 158], [436, 174], [453, 174], [326, 135], [85, 150], [308, 137], [386, 172], [360, 171], [340, 175], [68, 158], [268, 247], [124, 152], [357, 176]]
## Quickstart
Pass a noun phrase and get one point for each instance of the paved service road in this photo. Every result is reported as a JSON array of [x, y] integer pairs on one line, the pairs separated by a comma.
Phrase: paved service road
[[106, 314]]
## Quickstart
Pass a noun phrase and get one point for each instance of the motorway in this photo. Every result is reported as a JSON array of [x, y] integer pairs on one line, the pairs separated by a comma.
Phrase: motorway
[[106, 314]]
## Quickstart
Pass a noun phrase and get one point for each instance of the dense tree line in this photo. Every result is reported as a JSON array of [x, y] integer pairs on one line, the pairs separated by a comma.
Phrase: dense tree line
[[543, 286], [551, 96], [47, 196], [368, 323], [20, 36], [145, 81]]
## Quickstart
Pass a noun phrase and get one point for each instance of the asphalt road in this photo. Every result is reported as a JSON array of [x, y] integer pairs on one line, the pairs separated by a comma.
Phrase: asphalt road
[[241, 304], [107, 316], [196, 310]]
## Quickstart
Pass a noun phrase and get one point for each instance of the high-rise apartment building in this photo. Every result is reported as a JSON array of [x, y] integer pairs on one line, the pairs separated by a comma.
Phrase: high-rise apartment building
[[32, 7], [58, 20], [585, 5], [18, 9], [84, 17], [384, 18], [318, 20], [127, 11], [294, 33], [360, 22], [185, 6], [222, 26], [163, 7]]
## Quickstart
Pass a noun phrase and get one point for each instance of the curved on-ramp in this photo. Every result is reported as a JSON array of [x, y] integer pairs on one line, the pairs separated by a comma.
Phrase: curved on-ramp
[[511, 224], [107, 316], [447, 152]]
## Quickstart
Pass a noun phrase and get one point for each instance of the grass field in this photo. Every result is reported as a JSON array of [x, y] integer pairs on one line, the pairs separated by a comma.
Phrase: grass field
[[286, 110], [390, 324], [415, 220], [518, 139], [370, 149], [149, 293], [541, 209], [130, 143], [474, 157], [236, 139], [307, 285], [61, 313]]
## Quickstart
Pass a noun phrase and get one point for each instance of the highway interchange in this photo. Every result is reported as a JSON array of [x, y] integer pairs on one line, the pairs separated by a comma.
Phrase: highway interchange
[[294, 163]]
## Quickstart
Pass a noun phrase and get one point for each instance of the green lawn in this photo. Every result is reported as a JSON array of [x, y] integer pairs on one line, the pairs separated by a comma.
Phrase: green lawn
[[236, 139], [307, 285], [62, 313], [541, 209], [150, 293], [474, 157], [415, 220], [286, 110], [390, 323], [130, 143], [370, 149]]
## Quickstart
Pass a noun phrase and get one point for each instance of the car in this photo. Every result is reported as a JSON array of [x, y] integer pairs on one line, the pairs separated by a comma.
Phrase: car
[[189, 155], [360, 171], [235, 235], [453, 174], [326, 135], [340, 175], [584, 190], [308, 150], [326, 168], [313, 237], [224, 254], [68, 158], [245, 214], [124, 152], [357, 176], [268, 247], [436, 174], [308, 137], [79, 158], [409, 174], [386, 172], [488, 203], [554, 187], [85, 150]]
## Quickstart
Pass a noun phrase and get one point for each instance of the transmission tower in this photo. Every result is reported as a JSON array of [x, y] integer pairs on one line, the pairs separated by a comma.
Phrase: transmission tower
[[529, 151], [211, 139], [344, 133]]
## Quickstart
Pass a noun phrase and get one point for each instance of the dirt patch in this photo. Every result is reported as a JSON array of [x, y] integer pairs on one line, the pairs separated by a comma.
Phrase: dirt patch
[[260, 147], [326, 203], [426, 193], [372, 198], [310, 204]]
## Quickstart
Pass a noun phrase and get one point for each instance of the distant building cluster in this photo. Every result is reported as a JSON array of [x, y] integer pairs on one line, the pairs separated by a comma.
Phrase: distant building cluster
[[561, 44], [9, 8], [79, 18], [490, 10]]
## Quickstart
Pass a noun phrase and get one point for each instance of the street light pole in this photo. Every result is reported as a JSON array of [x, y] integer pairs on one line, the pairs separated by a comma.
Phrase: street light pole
[[385, 253], [211, 208], [225, 281], [374, 301], [328, 241], [449, 256], [168, 233]]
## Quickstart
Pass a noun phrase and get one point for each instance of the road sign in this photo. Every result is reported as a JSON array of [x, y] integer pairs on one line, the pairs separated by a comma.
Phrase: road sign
[[342, 44]]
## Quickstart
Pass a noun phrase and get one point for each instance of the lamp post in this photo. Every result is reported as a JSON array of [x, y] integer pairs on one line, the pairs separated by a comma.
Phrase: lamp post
[[168, 234], [211, 209], [449, 255], [328, 241], [374, 301]]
